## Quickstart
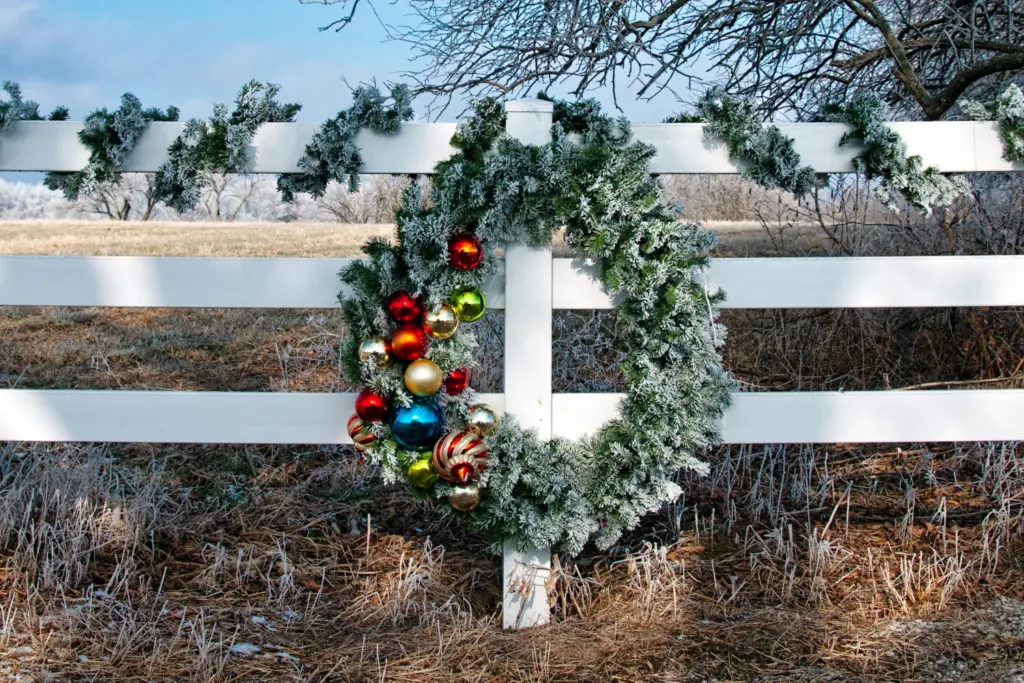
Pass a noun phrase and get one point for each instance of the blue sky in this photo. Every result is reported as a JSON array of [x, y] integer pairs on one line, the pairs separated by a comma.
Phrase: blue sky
[[192, 53]]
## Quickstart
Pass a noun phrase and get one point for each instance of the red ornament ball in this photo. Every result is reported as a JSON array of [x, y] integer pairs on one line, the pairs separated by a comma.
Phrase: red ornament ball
[[371, 407], [456, 381], [404, 307], [409, 342], [465, 252]]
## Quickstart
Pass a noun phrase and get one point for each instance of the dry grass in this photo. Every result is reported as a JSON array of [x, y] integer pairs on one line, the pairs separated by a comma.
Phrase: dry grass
[[112, 238], [107, 238], [195, 563]]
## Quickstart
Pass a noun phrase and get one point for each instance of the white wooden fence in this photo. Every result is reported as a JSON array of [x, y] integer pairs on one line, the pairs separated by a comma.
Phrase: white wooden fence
[[537, 284]]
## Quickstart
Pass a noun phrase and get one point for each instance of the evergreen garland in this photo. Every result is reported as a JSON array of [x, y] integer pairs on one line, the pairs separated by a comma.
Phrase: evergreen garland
[[597, 185], [1008, 111], [765, 155], [110, 137], [769, 158], [16, 108], [333, 155], [220, 145], [885, 157]]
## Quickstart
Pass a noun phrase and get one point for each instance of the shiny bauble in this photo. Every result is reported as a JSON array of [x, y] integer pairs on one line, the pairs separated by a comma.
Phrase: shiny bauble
[[371, 406], [417, 427], [376, 351], [482, 420], [441, 322], [456, 381], [465, 252], [459, 457], [468, 303], [360, 433], [421, 473], [404, 307], [409, 342], [423, 378], [465, 498]]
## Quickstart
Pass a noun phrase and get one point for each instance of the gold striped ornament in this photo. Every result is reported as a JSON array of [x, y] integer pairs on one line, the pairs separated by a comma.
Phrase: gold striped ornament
[[360, 433], [459, 457]]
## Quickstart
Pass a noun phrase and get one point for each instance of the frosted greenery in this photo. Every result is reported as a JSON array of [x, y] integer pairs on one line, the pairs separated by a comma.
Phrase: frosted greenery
[[1008, 111], [110, 137], [884, 157], [765, 155], [220, 145], [333, 154], [15, 108], [593, 180]]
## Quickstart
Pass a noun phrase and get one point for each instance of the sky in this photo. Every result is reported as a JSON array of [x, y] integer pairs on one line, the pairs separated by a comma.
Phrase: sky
[[192, 53]]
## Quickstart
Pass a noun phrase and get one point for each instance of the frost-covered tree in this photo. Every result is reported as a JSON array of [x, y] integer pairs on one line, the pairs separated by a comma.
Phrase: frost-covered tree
[[30, 202]]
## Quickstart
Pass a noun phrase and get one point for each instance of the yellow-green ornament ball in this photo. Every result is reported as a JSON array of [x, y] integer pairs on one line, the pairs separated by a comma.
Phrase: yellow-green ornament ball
[[421, 473], [423, 377], [468, 303]]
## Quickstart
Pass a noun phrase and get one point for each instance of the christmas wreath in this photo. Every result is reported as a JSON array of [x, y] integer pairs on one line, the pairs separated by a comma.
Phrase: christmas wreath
[[410, 347], [410, 305]]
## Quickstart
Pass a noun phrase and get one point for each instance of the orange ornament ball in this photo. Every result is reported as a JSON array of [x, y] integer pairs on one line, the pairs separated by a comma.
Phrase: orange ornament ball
[[409, 342]]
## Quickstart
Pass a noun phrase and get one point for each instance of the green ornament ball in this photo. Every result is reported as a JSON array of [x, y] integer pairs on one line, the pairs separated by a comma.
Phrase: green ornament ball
[[468, 303], [421, 473]]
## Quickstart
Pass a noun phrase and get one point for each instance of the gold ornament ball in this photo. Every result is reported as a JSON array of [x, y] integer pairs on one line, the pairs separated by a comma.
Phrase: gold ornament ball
[[482, 420], [423, 377], [421, 473], [468, 303], [441, 322], [465, 498], [376, 350]]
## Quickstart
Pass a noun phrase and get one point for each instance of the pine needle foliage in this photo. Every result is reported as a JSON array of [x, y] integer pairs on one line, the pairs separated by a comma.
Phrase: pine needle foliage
[[884, 157], [110, 137], [765, 155], [16, 108], [1008, 111], [220, 145], [595, 181], [333, 154]]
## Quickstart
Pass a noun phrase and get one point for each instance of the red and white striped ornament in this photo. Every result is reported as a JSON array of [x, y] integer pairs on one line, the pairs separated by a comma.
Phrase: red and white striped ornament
[[360, 433], [459, 457]]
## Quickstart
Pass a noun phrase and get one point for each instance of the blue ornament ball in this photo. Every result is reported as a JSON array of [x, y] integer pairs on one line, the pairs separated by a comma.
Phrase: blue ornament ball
[[419, 426]]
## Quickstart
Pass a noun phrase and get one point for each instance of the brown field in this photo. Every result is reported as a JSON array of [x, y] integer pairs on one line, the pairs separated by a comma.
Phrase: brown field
[[107, 238], [239, 563]]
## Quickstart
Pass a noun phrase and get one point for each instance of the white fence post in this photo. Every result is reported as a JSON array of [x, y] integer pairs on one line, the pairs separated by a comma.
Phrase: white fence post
[[528, 292]]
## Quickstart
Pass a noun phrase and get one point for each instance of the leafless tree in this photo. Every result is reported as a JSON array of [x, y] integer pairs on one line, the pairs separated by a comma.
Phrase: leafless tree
[[227, 195], [374, 202], [789, 55], [132, 197]]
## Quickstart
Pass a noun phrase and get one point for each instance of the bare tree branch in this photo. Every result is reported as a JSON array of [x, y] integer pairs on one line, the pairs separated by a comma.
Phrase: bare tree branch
[[919, 55]]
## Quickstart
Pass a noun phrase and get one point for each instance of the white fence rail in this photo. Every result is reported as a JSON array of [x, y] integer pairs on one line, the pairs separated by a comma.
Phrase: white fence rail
[[950, 146], [316, 418], [538, 284], [176, 282]]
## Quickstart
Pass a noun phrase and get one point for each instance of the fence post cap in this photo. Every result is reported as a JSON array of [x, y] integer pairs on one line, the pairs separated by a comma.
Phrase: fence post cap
[[530, 105]]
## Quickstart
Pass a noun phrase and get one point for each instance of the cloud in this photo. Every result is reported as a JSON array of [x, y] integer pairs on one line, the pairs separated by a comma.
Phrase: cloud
[[86, 62]]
